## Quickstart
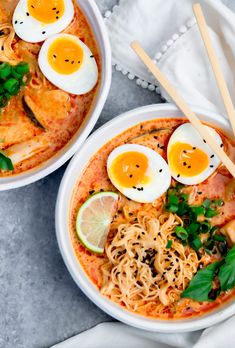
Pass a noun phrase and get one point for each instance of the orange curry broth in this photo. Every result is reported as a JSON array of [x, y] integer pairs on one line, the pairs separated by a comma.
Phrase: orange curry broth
[[16, 127], [94, 178]]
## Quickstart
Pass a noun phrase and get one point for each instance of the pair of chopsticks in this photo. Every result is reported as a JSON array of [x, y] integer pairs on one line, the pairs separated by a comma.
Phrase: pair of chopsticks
[[180, 102]]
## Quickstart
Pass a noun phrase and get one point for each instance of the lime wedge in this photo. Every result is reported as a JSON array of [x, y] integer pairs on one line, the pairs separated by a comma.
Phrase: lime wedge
[[94, 219]]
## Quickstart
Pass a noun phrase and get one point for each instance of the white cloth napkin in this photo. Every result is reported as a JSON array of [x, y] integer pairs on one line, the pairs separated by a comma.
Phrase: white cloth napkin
[[167, 30]]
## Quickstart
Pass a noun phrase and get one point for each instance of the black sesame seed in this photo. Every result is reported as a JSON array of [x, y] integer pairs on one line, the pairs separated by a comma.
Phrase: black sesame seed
[[130, 214], [139, 188], [212, 156], [21, 22], [211, 166], [184, 151], [92, 56], [27, 14], [134, 187], [185, 164], [154, 238], [16, 22], [189, 167], [141, 127], [221, 145], [204, 141], [200, 192], [43, 32], [178, 175], [57, 12], [101, 190], [160, 170], [2, 48], [137, 166], [32, 6], [54, 55], [155, 137], [57, 17], [91, 192], [79, 62], [130, 175], [54, 8], [194, 148], [66, 60], [72, 62], [162, 147]]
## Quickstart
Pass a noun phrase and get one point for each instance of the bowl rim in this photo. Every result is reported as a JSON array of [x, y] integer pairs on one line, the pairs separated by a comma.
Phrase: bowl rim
[[63, 235], [56, 161]]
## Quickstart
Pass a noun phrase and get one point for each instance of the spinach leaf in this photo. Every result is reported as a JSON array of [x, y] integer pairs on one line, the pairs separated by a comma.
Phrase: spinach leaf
[[5, 162], [227, 271], [201, 284]]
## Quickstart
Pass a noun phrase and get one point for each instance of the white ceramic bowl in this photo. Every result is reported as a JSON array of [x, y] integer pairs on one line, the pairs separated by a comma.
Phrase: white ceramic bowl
[[96, 22], [74, 170]]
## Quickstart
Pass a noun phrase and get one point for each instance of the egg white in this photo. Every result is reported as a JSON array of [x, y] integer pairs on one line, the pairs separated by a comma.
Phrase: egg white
[[81, 81], [157, 171], [31, 30], [187, 134]]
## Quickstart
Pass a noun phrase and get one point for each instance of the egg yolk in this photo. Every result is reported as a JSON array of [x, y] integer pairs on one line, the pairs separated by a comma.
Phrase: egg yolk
[[65, 56], [186, 160], [46, 11], [129, 169]]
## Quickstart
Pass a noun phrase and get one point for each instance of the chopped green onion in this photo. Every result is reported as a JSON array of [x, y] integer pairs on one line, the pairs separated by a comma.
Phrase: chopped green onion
[[181, 232], [211, 213], [5, 70], [22, 68], [172, 208], [219, 238], [218, 202], [12, 86], [206, 203], [196, 243], [205, 227], [172, 200], [198, 210], [169, 244], [193, 228]]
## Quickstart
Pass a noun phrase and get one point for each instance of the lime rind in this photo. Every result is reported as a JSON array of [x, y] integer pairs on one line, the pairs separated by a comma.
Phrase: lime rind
[[85, 206]]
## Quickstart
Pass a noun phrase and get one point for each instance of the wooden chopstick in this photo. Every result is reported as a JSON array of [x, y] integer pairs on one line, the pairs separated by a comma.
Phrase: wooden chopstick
[[215, 64], [183, 106]]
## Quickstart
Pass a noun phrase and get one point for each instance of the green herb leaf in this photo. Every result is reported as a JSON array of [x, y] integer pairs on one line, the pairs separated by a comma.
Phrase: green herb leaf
[[227, 271], [5, 162], [201, 284]]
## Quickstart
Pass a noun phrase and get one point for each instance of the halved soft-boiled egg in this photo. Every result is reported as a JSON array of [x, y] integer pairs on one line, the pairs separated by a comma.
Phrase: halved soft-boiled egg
[[138, 172], [190, 159], [68, 63], [36, 20]]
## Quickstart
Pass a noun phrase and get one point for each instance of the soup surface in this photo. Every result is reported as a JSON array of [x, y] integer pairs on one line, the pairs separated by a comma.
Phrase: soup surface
[[41, 119], [152, 284]]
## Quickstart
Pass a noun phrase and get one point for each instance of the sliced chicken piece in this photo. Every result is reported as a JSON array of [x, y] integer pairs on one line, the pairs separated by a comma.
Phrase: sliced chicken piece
[[229, 231], [20, 152], [15, 126], [49, 107]]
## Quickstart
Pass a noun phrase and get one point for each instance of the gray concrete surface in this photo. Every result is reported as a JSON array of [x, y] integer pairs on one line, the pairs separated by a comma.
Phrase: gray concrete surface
[[40, 304]]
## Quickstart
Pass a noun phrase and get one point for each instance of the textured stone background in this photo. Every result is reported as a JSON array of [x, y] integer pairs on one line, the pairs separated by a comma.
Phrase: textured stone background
[[40, 304]]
